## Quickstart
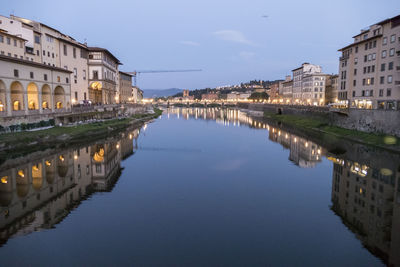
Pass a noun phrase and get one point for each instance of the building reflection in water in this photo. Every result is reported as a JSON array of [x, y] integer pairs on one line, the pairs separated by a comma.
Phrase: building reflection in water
[[303, 152], [366, 198], [39, 193]]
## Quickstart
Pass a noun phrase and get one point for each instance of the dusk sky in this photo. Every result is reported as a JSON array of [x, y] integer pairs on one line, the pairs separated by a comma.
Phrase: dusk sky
[[231, 41]]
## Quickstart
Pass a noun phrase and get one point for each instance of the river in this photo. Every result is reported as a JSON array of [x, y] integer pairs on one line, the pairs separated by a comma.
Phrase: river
[[202, 187]]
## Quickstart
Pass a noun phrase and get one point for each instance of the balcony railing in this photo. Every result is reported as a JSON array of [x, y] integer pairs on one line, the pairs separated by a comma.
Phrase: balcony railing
[[33, 112], [18, 112]]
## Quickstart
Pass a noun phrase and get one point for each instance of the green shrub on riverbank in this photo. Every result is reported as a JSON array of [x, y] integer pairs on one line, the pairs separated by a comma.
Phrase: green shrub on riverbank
[[26, 141], [324, 127]]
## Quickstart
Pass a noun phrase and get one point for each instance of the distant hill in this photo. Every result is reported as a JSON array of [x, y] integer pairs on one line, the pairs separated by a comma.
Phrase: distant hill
[[161, 92]]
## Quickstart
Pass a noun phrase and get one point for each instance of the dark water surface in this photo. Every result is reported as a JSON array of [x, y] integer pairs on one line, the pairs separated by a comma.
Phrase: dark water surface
[[201, 188]]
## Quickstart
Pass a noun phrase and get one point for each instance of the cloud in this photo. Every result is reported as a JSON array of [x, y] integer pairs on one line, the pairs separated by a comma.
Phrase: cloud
[[245, 55], [190, 43], [233, 36]]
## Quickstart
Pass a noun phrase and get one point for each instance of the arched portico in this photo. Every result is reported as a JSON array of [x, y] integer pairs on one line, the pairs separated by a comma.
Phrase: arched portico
[[59, 97], [46, 97], [33, 96], [3, 103], [17, 96]]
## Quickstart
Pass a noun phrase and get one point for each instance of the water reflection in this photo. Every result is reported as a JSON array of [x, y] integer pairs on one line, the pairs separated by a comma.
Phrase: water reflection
[[365, 182], [38, 191]]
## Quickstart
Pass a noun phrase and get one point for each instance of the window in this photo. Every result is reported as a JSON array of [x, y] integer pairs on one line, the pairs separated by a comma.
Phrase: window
[[363, 81], [48, 53], [368, 81], [52, 55], [365, 70], [373, 56], [366, 46], [84, 74], [384, 42], [95, 75], [354, 82], [74, 52], [372, 81], [37, 52], [363, 93], [365, 58], [365, 36], [65, 50], [76, 95], [369, 57], [382, 80], [355, 72], [58, 79], [44, 53], [37, 39], [75, 73], [391, 52], [390, 65], [31, 74], [45, 77], [15, 42], [383, 67], [84, 96], [383, 53], [66, 80], [355, 61], [389, 92], [380, 92], [373, 68], [390, 79], [1, 39], [356, 49], [369, 69], [371, 93], [374, 44], [16, 74], [8, 40], [354, 93], [393, 38]]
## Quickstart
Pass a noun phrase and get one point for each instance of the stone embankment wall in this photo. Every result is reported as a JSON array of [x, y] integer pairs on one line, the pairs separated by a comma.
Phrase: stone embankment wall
[[371, 121], [82, 113]]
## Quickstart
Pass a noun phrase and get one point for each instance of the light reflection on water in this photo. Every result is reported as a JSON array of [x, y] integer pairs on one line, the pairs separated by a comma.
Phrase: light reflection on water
[[39, 191]]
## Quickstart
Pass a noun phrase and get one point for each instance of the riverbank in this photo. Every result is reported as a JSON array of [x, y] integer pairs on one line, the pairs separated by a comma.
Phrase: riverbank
[[21, 143], [321, 126]]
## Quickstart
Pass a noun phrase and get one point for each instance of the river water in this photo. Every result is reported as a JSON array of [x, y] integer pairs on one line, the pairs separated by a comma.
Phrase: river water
[[202, 187]]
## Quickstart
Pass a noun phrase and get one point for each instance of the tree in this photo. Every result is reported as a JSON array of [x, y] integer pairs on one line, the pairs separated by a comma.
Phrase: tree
[[259, 96]]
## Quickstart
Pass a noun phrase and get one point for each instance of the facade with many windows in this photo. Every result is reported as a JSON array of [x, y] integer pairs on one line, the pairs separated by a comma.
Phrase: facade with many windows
[[369, 70], [103, 75]]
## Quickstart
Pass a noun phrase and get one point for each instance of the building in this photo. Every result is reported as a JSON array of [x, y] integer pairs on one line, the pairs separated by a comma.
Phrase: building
[[287, 90], [49, 46], [331, 89], [30, 88], [124, 87], [210, 96], [369, 68], [273, 91], [300, 97], [103, 72], [313, 89], [185, 93]]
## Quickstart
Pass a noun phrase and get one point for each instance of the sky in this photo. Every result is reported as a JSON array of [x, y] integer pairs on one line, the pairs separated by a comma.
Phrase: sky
[[232, 41]]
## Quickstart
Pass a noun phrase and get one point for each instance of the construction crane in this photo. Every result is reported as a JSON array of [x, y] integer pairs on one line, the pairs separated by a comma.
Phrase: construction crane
[[137, 72]]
